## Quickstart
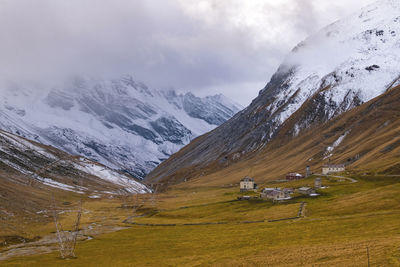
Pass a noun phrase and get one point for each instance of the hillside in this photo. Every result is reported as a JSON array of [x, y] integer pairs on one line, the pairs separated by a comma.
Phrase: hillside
[[341, 67], [120, 123], [32, 174]]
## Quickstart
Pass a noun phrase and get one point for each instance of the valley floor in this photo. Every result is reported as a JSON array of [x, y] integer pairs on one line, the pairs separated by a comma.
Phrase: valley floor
[[337, 228]]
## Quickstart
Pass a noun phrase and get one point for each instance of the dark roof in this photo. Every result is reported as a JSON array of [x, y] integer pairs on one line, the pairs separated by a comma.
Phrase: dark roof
[[274, 193], [247, 179], [294, 174], [287, 189]]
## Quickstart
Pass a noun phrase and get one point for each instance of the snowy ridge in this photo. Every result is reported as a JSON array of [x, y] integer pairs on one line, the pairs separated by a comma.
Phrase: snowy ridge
[[112, 176], [340, 67], [120, 123], [348, 63], [32, 160]]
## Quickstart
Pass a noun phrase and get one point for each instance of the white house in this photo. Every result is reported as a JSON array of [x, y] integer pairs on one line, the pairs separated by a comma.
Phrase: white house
[[327, 169], [247, 184]]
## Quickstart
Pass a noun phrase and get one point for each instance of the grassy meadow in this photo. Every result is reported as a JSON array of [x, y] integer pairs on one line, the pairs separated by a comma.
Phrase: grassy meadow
[[337, 228]]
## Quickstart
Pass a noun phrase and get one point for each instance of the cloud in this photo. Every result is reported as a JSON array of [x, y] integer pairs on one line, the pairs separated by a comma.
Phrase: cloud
[[204, 46]]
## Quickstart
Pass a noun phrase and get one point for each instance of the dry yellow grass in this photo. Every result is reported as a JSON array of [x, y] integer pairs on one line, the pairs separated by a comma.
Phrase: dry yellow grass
[[338, 227]]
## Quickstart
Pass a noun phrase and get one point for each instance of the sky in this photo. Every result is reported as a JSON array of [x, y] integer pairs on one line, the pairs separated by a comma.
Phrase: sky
[[203, 46]]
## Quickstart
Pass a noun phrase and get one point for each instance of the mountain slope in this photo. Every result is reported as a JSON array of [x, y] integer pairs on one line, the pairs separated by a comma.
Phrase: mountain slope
[[32, 174], [35, 165], [120, 123], [365, 138], [341, 67]]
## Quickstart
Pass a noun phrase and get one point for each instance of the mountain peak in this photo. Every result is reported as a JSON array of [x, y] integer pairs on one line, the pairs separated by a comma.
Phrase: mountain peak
[[331, 72], [120, 123]]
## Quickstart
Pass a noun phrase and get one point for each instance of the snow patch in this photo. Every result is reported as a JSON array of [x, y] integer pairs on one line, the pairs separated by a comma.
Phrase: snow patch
[[114, 177], [55, 184], [335, 144]]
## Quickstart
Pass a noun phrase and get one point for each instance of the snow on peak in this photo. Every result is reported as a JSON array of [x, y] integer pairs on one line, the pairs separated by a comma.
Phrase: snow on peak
[[120, 123], [348, 62], [34, 161]]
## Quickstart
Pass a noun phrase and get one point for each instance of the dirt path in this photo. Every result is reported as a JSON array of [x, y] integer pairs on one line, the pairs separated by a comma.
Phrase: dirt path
[[351, 180], [300, 214], [49, 243]]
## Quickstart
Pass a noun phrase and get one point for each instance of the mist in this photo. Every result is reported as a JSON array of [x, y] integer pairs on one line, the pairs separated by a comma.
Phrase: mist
[[207, 47]]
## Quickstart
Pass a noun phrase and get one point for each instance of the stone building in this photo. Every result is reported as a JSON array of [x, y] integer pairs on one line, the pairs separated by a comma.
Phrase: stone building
[[275, 194], [306, 190]]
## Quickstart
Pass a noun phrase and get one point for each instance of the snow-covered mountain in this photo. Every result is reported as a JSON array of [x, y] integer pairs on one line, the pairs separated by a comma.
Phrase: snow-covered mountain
[[343, 65], [120, 123], [340, 67]]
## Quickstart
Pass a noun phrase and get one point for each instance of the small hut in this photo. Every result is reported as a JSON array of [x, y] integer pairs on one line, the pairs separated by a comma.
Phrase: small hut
[[276, 195], [306, 190]]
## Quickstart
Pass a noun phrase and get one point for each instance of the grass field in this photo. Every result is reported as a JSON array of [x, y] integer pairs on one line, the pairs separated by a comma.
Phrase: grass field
[[337, 229]]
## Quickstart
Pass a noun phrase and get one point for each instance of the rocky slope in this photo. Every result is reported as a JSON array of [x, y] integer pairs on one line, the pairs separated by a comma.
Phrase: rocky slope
[[35, 178], [120, 123], [33, 165], [341, 67], [31, 174]]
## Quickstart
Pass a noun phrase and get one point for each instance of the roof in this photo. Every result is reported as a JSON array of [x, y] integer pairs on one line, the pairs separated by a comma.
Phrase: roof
[[305, 188], [284, 198], [294, 174], [333, 166], [274, 193], [268, 189], [247, 179], [287, 189]]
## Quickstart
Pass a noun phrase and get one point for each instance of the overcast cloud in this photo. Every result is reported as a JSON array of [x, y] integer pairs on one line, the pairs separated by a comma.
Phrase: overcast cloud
[[203, 46]]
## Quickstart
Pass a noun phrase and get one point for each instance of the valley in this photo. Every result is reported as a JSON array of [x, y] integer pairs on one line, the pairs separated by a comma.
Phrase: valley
[[336, 229], [103, 171]]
